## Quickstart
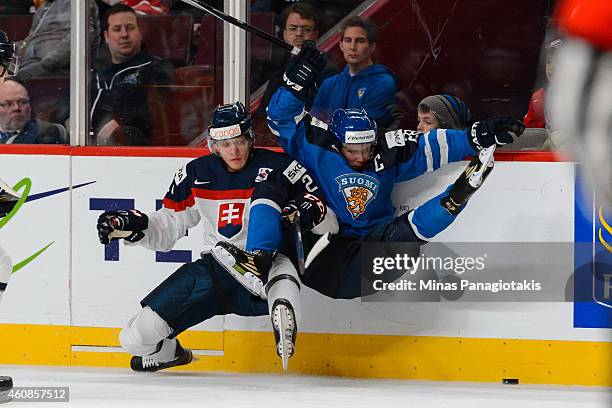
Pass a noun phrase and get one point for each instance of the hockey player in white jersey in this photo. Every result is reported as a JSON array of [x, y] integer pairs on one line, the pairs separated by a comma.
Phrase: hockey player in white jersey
[[215, 190], [8, 199]]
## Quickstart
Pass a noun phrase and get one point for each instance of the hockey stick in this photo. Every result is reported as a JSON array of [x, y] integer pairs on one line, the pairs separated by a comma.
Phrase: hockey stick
[[299, 244], [241, 24]]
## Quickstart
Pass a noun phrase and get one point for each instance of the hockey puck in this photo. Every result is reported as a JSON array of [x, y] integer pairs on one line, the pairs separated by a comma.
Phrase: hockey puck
[[510, 381], [6, 384]]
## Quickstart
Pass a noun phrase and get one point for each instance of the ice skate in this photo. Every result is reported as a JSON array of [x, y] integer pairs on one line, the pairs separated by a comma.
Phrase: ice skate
[[153, 362], [251, 269], [285, 329], [469, 181]]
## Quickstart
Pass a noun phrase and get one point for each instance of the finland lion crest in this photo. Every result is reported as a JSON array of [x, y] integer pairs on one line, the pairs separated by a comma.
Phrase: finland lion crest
[[358, 190]]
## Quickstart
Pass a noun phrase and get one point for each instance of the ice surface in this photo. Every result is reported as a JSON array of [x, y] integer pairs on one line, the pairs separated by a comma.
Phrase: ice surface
[[100, 387]]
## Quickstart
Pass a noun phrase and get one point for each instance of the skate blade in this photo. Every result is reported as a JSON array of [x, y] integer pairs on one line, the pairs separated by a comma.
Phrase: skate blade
[[483, 168], [283, 322], [486, 156], [248, 280]]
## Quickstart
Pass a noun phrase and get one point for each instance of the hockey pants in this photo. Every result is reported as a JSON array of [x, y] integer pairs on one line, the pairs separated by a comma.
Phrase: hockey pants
[[198, 291]]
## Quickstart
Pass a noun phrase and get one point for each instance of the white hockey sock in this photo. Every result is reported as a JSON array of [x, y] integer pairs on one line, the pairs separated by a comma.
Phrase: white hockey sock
[[143, 332], [283, 283], [6, 267], [166, 352]]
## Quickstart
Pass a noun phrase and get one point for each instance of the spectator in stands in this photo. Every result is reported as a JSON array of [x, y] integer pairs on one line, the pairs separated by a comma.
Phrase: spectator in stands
[[538, 115], [46, 50], [442, 112], [124, 84], [16, 122], [16, 6], [300, 22], [362, 84]]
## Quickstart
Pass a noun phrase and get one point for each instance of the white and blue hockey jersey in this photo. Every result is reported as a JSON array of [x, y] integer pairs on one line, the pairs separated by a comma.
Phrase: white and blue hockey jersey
[[361, 199], [204, 191]]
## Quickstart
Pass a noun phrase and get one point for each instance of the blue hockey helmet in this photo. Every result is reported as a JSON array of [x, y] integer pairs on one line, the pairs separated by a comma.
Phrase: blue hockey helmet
[[352, 126], [7, 54], [229, 121]]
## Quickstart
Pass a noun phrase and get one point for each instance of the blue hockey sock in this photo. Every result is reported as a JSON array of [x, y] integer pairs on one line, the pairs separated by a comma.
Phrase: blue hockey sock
[[264, 228], [431, 218]]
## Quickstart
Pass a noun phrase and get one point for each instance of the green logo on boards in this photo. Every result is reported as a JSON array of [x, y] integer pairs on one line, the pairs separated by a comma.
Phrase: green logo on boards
[[26, 184]]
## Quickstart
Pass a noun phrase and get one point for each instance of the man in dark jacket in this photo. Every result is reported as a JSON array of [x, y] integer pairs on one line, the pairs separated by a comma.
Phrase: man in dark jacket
[[362, 84], [300, 22], [16, 122], [126, 83]]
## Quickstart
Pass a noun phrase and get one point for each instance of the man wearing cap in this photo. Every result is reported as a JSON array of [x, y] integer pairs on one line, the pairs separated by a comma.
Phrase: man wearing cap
[[442, 112]]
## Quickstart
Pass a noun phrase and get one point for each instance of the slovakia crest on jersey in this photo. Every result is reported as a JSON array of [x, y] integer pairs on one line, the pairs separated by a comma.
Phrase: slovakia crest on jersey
[[229, 220], [359, 190]]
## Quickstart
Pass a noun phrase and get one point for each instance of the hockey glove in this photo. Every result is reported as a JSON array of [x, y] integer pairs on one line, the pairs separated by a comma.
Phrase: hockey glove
[[128, 225], [309, 208], [303, 70], [6, 207], [496, 131]]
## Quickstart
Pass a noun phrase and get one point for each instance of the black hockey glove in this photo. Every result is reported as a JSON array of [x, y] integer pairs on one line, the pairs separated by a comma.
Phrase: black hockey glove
[[496, 131], [303, 69], [6, 207], [309, 208], [128, 225]]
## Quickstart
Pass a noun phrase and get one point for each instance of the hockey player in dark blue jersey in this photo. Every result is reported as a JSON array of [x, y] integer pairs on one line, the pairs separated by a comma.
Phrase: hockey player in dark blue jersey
[[214, 190], [356, 172]]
